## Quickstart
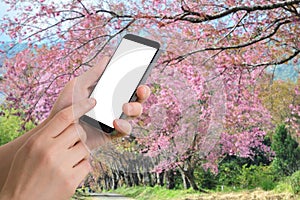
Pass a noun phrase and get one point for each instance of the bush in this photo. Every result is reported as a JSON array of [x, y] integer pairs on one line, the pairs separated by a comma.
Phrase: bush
[[295, 182], [11, 125], [287, 151], [206, 179], [257, 176], [229, 172], [267, 183], [284, 186]]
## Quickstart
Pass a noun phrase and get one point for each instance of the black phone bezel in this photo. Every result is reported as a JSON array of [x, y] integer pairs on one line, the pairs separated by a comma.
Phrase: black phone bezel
[[138, 39]]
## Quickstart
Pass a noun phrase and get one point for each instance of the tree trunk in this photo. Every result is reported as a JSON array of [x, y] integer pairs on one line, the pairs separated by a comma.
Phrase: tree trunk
[[186, 183], [160, 178], [107, 180], [169, 177], [147, 180], [115, 180], [189, 175], [135, 179], [193, 183], [128, 180], [121, 178], [140, 178]]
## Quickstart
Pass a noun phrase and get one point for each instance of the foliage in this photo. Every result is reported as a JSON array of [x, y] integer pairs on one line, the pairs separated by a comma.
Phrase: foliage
[[11, 125], [229, 173], [295, 182], [283, 186], [287, 150], [294, 120], [206, 179], [238, 173], [267, 183], [257, 176], [277, 97]]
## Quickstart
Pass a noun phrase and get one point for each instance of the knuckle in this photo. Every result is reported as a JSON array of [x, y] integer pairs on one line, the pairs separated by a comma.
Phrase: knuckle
[[64, 116], [34, 145], [48, 156], [86, 167], [81, 132], [83, 149], [60, 171], [77, 127]]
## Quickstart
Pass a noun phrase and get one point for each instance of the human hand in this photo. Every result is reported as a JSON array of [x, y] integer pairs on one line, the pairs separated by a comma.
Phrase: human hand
[[53, 161], [80, 88]]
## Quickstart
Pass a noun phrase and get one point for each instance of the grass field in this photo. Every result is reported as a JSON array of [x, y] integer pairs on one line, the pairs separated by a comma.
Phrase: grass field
[[149, 193]]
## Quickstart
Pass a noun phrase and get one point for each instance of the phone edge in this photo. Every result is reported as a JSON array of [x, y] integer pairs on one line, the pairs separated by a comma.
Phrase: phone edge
[[142, 40]]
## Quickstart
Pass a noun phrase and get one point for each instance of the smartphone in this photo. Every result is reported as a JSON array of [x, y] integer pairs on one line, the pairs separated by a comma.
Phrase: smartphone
[[128, 68]]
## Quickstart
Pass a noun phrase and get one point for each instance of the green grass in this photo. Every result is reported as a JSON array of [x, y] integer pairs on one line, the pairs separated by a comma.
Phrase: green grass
[[283, 186], [160, 193], [157, 192]]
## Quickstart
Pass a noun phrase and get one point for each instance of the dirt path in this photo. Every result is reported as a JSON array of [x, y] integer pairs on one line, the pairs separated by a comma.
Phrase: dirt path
[[255, 195], [107, 196]]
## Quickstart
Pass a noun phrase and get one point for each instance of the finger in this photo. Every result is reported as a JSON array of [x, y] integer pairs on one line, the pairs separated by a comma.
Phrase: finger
[[77, 153], [67, 116], [143, 92], [73, 134], [92, 75], [122, 127], [61, 101], [132, 109], [81, 170], [95, 136], [81, 133]]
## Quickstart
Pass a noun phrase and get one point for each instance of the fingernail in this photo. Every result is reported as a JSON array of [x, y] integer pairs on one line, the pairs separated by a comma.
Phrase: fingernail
[[123, 125], [92, 101], [128, 108], [144, 91]]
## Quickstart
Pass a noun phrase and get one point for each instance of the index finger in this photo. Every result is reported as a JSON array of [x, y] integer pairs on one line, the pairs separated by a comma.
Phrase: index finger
[[67, 116]]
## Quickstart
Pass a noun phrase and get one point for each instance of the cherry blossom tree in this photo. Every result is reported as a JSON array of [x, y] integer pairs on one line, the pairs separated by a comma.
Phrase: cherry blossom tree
[[205, 102]]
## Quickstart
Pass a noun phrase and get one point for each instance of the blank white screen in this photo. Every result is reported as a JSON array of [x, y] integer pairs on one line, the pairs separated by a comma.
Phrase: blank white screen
[[119, 80]]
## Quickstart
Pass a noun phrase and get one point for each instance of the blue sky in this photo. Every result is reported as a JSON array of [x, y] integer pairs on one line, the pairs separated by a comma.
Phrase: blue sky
[[3, 11]]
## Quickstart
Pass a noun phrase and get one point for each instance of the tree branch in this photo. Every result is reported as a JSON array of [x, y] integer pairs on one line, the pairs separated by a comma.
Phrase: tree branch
[[182, 57], [87, 11], [110, 38], [275, 62], [235, 26], [52, 26], [204, 17]]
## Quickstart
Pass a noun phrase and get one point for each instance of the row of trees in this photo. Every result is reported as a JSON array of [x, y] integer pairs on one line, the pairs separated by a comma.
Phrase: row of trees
[[210, 99], [128, 169], [133, 170]]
